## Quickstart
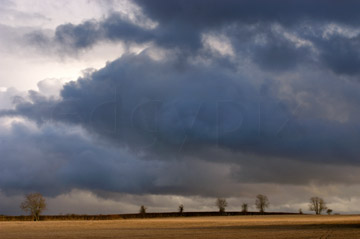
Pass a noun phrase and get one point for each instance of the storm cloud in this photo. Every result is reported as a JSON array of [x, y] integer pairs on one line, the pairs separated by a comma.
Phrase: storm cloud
[[276, 35], [155, 108], [220, 96]]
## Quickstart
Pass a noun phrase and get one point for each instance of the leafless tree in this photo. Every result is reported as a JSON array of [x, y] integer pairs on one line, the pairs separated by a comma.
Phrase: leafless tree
[[181, 208], [262, 202], [300, 211], [317, 205], [329, 211], [221, 203], [142, 210], [34, 204], [244, 207]]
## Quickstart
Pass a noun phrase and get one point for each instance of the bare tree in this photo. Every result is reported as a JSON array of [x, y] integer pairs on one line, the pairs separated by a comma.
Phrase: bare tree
[[181, 208], [317, 205], [300, 211], [142, 210], [329, 211], [221, 203], [262, 202], [34, 204], [244, 207]]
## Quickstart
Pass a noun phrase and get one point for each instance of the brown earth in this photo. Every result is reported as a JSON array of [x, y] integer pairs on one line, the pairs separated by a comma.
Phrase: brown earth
[[249, 227]]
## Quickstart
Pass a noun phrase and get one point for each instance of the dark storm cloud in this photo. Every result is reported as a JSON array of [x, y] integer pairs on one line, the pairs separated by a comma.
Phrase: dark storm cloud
[[85, 35], [189, 127], [337, 53], [205, 13], [181, 25], [164, 112], [279, 53], [341, 54], [57, 158]]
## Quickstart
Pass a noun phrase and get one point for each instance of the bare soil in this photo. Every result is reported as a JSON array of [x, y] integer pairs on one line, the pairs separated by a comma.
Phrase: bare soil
[[249, 227]]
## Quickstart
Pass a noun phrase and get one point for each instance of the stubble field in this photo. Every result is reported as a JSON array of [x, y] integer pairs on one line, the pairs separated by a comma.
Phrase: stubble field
[[295, 226]]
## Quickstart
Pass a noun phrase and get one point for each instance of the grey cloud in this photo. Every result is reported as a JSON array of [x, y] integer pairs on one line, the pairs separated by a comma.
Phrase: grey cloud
[[181, 25], [76, 37], [165, 112], [8, 96], [56, 159], [192, 122], [341, 54], [213, 12], [292, 172], [193, 18]]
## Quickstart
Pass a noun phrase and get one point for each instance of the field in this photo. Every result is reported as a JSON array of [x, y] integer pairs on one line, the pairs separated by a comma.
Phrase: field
[[283, 226]]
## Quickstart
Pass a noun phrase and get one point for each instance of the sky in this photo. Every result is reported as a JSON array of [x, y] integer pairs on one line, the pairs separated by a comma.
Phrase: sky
[[109, 105]]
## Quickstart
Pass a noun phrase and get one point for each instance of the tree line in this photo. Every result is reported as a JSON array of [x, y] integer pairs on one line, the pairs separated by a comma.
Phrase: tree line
[[34, 204]]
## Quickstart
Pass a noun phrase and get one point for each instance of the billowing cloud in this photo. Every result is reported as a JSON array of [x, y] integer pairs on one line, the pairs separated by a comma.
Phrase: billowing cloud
[[221, 99], [252, 26], [155, 108]]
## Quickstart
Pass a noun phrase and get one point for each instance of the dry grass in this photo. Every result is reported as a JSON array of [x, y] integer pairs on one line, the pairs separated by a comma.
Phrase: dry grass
[[297, 226]]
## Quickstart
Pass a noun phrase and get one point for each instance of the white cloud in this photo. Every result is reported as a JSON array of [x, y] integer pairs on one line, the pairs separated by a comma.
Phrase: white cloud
[[219, 44]]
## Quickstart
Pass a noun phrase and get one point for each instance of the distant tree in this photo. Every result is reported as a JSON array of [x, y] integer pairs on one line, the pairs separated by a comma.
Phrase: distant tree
[[181, 208], [261, 202], [142, 210], [329, 211], [317, 205], [34, 204], [300, 211], [221, 203], [244, 207]]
